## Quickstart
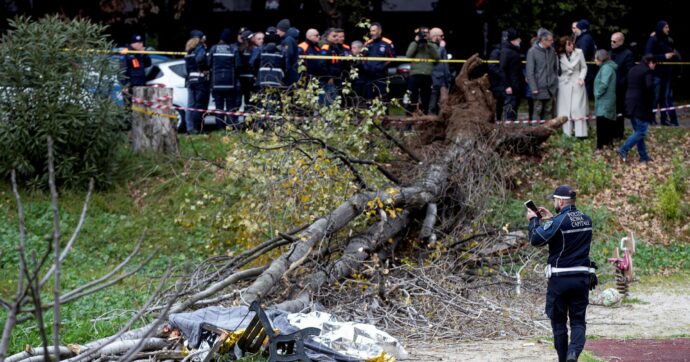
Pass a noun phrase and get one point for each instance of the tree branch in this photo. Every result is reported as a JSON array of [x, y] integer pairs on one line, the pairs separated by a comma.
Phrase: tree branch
[[56, 248]]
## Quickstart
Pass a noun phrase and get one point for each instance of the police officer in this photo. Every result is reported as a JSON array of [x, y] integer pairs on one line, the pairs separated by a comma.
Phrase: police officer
[[376, 72], [223, 61], [272, 62], [249, 57], [570, 272], [290, 50], [135, 64], [197, 80]]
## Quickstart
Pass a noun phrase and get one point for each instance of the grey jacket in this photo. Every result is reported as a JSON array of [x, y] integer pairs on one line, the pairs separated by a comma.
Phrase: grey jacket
[[440, 76], [542, 71]]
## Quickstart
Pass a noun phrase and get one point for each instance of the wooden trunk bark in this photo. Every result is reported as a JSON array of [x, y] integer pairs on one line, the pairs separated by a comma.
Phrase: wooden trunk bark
[[153, 130]]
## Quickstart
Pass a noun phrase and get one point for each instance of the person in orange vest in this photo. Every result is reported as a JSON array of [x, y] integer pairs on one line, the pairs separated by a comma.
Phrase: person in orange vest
[[134, 64], [310, 46], [376, 72], [332, 69]]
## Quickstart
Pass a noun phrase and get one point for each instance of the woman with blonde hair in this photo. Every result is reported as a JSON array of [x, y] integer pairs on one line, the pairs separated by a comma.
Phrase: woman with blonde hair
[[197, 80], [572, 95]]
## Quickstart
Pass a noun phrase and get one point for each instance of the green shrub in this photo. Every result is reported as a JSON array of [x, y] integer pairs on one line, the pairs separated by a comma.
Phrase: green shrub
[[670, 200], [57, 79]]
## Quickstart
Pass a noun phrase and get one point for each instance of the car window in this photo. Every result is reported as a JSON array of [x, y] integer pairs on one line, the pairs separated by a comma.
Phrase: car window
[[179, 69], [154, 73]]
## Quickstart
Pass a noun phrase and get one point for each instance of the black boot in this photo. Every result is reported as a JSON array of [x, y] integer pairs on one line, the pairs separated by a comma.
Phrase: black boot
[[572, 357]]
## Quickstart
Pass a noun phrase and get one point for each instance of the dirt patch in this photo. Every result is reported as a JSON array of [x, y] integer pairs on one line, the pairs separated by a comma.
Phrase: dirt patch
[[632, 350], [659, 311], [656, 311]]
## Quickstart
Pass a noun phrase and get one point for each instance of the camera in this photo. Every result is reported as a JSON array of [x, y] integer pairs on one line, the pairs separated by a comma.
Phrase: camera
[[421, 34]]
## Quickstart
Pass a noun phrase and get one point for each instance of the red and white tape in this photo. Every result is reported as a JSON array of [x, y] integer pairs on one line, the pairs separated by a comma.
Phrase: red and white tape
[[157, 104], [589, 118]]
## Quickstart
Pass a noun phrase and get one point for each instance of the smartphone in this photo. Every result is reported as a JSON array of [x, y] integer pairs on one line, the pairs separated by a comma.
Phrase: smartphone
[[530, 205]]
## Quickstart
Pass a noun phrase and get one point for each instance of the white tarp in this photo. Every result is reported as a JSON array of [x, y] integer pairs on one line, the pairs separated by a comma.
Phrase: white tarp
[[356, 340]]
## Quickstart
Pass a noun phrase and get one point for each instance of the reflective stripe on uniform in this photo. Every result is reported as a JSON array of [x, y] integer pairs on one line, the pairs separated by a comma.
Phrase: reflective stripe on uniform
[[576, 230]]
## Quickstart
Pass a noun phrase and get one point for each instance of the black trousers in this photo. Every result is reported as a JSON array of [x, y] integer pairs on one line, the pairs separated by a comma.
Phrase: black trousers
[[420, 91], [606, 129], [619, 125], [226, 100], [567, 297]]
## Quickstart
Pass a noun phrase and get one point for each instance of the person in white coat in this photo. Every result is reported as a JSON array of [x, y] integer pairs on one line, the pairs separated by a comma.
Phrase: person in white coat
[[572, 95]]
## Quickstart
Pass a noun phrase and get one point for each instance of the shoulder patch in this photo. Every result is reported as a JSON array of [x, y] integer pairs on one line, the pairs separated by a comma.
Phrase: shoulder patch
[[547, 225], [387, 40]]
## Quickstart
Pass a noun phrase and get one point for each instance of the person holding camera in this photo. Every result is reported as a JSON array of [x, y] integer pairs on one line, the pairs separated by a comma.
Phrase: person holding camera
[[569, 269], [419, 82]]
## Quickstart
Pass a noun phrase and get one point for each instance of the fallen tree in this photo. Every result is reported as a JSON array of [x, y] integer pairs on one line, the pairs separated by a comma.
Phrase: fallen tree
[[387, 255]]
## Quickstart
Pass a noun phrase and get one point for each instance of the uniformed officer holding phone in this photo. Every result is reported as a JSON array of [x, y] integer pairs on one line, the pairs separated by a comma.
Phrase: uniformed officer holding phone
[[570, 271]]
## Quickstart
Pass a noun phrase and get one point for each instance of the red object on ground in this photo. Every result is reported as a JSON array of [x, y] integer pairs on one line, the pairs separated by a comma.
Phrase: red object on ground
[[632, 350]]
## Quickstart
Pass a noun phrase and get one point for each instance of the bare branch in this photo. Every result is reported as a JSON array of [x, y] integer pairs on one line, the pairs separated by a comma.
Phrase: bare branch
[[13, 309], [141, 333], [115, 270], [75, 233], [56, 248]]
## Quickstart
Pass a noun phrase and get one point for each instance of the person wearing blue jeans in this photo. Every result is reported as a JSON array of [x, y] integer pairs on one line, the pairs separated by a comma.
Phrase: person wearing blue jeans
[[640, 128], [638, 106]]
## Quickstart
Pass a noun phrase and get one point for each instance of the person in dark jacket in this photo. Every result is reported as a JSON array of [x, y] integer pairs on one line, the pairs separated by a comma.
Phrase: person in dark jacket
[[376, 72], [134, 64], [310, 46], [248, 66], [638, 106], [197, 80], [585, 41], [496, 76], [569, 269], [440, 76], [289, 45], [223, 63], [661, 46], [331, 69], [621, 54], [512, 74]]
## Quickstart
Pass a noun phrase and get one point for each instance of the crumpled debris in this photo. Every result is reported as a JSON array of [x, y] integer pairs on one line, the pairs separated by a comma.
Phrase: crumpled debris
[[356, 340], [608, 297]]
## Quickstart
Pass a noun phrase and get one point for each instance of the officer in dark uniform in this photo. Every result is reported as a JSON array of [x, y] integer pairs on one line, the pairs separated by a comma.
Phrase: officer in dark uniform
[[376, 72], [223, 61], [134, 70], [331, 69], [197, 80], [570, 272], [135, 64], [272, 62], [249, 57]]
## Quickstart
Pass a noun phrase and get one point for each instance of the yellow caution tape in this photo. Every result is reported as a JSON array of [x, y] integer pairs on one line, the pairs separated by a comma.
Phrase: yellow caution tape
[[151, 113], [331, 57]]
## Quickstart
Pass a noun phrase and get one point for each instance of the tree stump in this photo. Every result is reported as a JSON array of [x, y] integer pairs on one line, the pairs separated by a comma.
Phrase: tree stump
[[153, 129]]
